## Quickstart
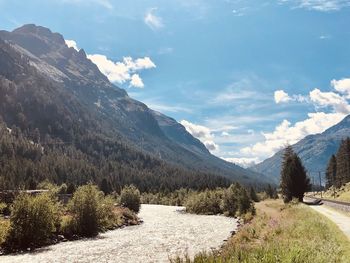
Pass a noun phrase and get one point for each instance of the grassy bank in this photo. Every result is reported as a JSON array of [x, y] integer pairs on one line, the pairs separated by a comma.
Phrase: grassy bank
[[280, 233], [341, 194]]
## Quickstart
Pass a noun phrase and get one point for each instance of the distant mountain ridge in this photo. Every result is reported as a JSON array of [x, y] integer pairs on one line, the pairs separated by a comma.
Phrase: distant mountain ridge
[[88, 97], [314, 150]]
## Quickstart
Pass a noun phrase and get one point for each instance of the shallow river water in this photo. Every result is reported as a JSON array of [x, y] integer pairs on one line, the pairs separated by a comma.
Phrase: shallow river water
[[166, 232]]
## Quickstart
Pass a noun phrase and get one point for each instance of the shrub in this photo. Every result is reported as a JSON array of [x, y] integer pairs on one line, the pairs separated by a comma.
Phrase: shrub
[[68, 226], [84, 206], [62, 189], [4, 230], [207, 202], [107, 217], [71, 189], [232, 201], [130, 198], [33, 219], [91, 212], [3, 206], [47, 185]]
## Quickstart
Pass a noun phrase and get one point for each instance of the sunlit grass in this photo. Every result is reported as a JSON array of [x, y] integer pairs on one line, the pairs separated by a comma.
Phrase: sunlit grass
[[289, 234], [341, 194]]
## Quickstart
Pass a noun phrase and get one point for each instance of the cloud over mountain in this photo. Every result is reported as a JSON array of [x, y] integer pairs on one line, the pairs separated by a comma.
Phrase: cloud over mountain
[[202, 133]]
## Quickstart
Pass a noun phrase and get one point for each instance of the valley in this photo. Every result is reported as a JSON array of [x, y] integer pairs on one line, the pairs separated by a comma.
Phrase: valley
[[174, 131]]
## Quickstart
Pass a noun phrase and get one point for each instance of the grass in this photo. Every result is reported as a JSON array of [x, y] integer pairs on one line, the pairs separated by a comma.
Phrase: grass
[[280, 233], [341, 194]]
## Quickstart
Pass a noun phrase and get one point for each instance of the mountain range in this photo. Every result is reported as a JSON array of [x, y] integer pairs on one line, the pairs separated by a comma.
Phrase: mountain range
[[57, 92], [314, 150]]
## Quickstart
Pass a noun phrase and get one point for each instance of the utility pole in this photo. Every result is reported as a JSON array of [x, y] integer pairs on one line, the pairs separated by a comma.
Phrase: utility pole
[[319, 174], [334, 183]]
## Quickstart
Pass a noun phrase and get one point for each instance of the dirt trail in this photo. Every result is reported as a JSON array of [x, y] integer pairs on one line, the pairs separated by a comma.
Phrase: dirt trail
[[340, 219]]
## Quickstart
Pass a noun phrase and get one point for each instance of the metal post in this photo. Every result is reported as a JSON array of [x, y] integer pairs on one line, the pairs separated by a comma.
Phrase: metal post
[[334, 174], [319, 174]]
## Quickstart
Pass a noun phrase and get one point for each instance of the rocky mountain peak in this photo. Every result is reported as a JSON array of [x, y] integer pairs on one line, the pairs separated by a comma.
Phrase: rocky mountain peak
[[40, 32]]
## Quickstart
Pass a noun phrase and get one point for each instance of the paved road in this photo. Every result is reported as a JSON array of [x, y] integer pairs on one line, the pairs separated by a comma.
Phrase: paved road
[[341, 220]]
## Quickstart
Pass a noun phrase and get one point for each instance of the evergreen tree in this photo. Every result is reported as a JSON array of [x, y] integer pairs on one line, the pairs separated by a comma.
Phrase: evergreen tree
[[294, 181], [269, 191], [343, 163], [105, 186], [331, 172], [71, 189], [253, 194]]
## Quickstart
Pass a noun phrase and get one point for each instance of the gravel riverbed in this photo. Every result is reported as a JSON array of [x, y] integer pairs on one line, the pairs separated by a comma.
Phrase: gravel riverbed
[[166, 232]]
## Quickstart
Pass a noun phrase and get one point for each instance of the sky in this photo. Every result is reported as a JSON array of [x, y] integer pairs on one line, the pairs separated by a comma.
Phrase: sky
[[246, 77]]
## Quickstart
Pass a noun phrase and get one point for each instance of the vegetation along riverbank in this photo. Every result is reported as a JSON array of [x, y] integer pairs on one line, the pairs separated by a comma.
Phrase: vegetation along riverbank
[[39, 220]]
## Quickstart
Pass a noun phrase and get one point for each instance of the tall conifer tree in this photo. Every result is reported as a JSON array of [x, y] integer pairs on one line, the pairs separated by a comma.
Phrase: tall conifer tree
[[343, 163], [294, 181], [331, 172]]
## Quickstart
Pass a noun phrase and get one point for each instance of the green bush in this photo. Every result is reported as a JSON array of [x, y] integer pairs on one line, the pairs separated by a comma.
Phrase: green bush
[[237, 201], [207, 202], [4, 230], [68, 227], [130, 198], [232, 201], [62, 189], [33, 220], [107, 218], [85, 208], [91, 212], [3, 206]]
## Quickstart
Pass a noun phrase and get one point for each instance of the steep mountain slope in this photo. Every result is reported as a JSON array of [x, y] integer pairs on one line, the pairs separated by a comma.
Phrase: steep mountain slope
[[47, 134], [314, 150], [66, 86]]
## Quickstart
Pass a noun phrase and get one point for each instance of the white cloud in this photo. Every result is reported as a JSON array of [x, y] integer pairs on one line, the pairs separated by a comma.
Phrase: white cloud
[[124, 71], [72, 43], [104, 3], [139, 64], [286, 133], [202, 133], [281, 96], [165, 50], [330, 99], [319, 5], [244, 162], [153, 21], [136, 81], [231, 96], [120, 71], [342, 86]]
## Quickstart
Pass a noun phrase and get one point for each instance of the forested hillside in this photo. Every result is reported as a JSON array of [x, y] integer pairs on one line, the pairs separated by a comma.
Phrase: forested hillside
[[24, 163]]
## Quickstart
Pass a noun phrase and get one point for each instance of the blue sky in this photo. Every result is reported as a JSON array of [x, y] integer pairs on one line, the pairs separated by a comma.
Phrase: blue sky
[[244, 76]]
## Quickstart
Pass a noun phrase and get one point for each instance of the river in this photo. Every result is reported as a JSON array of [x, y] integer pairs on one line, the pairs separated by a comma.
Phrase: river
[[166, 232]]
